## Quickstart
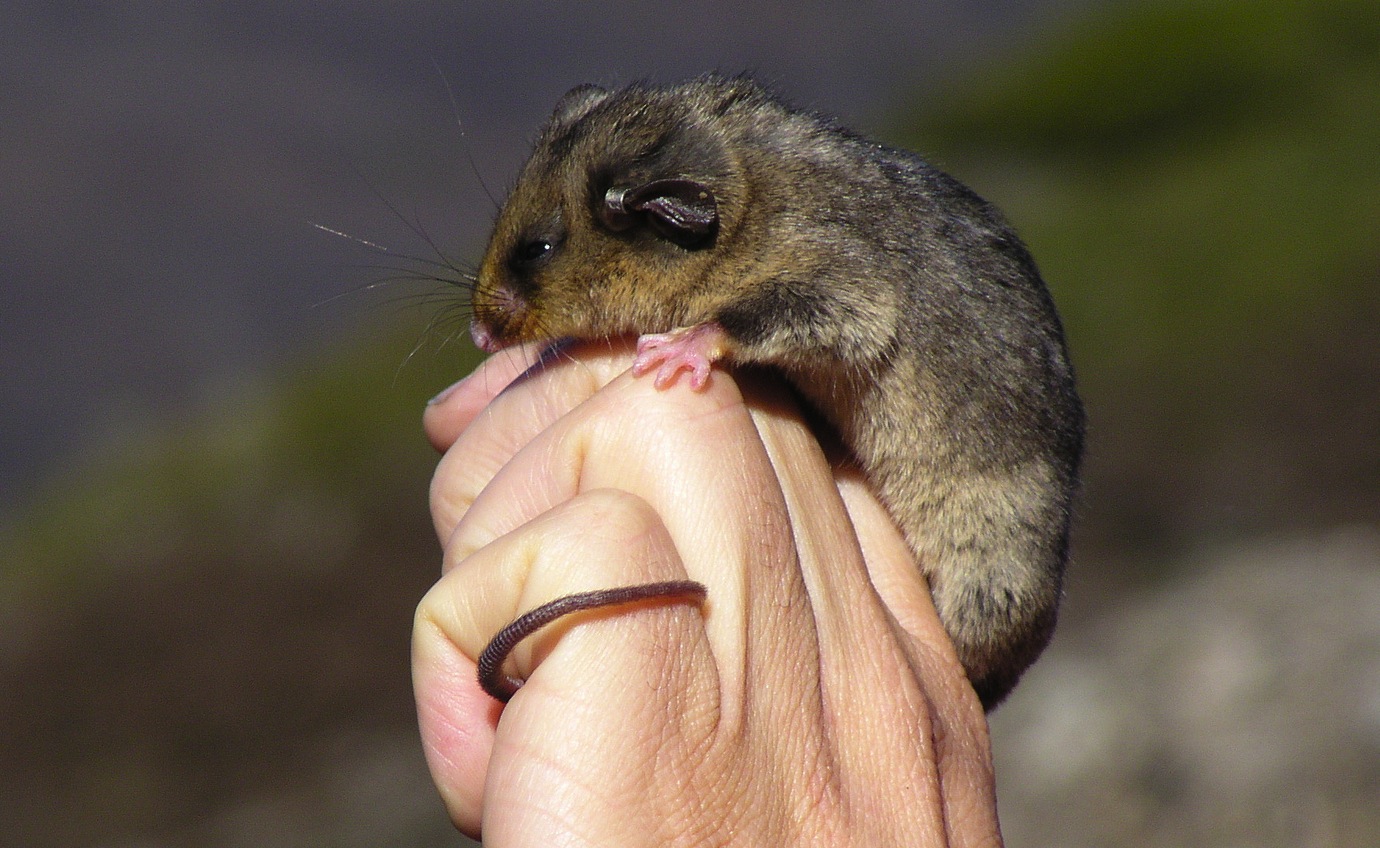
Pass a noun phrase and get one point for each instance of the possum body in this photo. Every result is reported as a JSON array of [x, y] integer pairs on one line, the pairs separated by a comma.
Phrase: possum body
[[899, 304]]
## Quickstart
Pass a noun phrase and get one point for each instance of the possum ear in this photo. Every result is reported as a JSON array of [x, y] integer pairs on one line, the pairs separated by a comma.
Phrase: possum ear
[[681, 211], [576, 102]]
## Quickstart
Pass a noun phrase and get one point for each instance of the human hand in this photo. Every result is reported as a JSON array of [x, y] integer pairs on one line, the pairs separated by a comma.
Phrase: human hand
[[814, 699]]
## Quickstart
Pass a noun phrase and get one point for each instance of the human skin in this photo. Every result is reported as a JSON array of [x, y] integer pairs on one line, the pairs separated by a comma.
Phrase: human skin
[[813, 699]]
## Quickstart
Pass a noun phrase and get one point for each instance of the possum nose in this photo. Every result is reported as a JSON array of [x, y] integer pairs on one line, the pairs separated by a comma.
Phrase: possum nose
[[484, 339]]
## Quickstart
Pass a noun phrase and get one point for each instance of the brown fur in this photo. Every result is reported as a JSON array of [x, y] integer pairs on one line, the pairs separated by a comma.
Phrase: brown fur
[[900, 305]]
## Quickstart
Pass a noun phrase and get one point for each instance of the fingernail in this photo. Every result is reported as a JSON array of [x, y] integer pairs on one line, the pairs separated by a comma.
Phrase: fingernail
[[446, 392]]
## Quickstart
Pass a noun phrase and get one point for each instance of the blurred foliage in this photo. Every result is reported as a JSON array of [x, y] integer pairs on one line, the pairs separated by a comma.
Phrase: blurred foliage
[[290, 472], [1201, 185], [206, 621], [1184, 171]]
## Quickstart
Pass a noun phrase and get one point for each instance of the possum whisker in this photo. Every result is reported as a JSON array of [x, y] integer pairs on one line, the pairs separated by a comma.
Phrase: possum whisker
[[445, 272], [460, 125], [414, 225], [443, 262], [441, 323], [444, 293], [346, 235], [402, 274]]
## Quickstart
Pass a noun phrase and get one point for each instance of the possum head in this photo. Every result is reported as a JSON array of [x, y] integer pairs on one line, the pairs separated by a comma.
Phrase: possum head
[[617, 219]]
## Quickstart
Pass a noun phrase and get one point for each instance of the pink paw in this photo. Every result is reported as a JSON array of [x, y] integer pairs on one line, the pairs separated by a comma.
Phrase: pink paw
[[692, 349]]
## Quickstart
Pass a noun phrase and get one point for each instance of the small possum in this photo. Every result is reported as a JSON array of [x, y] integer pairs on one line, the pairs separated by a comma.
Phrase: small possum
[[718, 223]]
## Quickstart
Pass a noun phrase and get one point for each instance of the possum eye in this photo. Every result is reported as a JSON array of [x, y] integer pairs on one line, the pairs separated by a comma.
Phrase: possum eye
[[531, 254]]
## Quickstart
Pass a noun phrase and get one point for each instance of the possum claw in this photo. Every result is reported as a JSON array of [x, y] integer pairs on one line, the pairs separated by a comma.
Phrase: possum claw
[[692, 349]]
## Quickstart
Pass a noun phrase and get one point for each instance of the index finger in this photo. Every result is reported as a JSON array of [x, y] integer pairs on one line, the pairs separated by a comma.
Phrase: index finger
[[571, 375], [451, 411]]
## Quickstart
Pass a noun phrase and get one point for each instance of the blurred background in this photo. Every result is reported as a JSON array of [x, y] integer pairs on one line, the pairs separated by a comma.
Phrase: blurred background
[[213, 521]]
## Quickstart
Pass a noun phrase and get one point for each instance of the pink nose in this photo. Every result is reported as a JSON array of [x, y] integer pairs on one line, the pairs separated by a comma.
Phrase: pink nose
[[483, 339]]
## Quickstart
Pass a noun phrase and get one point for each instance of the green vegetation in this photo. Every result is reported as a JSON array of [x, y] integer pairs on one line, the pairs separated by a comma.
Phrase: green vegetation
[[287, 474], [1191, 175]]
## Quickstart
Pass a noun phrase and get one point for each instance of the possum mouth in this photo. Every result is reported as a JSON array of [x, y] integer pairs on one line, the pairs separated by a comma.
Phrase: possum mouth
[[500, 319]]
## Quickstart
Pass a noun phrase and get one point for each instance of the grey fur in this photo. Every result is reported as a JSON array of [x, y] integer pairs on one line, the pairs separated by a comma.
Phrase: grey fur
[[900, 304]]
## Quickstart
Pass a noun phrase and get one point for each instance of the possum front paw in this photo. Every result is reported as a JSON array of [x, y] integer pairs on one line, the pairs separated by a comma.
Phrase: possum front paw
[[692, 349]]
